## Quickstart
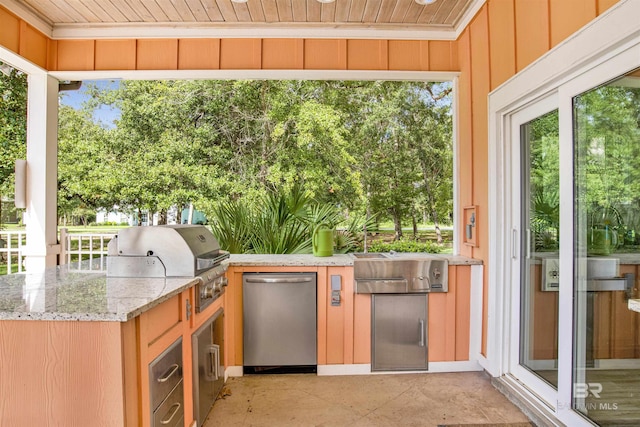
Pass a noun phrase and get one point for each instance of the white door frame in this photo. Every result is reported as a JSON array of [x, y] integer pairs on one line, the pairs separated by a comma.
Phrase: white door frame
[[604, 49], [533, 110]]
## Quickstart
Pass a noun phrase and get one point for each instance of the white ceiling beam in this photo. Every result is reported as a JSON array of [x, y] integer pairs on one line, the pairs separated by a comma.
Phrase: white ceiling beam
[[431, 76], [253, 30]]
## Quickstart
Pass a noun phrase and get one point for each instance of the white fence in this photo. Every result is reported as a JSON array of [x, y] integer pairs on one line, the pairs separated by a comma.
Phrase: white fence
[[76, 248], [11, 251]]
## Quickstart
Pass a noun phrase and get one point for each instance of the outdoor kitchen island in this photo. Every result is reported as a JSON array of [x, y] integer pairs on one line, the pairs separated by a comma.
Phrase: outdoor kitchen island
[[75, 346], [344, 319]]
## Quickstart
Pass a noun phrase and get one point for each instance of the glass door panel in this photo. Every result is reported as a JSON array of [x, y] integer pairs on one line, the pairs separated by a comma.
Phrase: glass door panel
[[540, 232], [606, 360]]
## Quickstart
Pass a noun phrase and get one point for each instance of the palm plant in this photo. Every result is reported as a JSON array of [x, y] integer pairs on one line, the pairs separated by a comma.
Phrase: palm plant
[[277, 229], [282, 223], [232, 226], [350, 238]]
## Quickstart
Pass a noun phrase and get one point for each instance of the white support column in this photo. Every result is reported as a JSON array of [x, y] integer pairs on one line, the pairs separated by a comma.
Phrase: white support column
[[42, 172]]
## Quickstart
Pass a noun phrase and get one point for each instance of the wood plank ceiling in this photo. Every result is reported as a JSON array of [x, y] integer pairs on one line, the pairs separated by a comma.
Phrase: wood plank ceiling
[[407, 14]]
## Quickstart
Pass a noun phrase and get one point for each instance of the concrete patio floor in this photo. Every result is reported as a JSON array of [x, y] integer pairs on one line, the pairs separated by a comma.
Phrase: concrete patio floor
[[450, 399]]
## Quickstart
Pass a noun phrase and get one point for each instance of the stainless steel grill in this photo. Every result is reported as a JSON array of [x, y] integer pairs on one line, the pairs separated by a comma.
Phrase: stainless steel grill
[[171, 251]]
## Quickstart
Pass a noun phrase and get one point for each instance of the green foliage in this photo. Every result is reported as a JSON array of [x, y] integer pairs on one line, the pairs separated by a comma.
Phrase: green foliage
[[350, 238], [232, 225], [403, 245], [13, 120], [279, 222], [607, 168], [277, 226], [13, 123], [355, 145]]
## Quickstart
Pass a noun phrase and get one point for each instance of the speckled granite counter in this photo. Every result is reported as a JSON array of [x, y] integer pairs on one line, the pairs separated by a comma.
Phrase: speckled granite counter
[[339, 260], [66, 293], [61, 293]]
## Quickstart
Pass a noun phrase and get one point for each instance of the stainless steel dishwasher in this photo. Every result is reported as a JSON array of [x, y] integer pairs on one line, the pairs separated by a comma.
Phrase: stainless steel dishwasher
[[280, 321]]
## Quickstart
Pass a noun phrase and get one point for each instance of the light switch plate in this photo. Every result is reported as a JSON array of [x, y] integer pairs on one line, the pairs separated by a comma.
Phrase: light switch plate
[[336, 283]]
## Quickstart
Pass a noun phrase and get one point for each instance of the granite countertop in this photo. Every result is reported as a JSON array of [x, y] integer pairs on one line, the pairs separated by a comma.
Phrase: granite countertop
[[87, 294], [64, 293], [337, 260]]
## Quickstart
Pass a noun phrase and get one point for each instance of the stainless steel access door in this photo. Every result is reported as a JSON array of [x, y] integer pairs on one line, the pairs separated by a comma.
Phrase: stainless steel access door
[[399, 332], [279, 319], [208, 365]]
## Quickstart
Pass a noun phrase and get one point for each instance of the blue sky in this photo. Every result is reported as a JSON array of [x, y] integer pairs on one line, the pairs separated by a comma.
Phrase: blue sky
[[75, 99]]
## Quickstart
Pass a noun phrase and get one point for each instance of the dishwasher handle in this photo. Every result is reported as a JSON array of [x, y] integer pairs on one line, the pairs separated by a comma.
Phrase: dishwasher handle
[[266, 279]]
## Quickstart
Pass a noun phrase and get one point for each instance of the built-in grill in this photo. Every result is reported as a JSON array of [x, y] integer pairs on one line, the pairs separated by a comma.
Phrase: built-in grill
[[171, 251]]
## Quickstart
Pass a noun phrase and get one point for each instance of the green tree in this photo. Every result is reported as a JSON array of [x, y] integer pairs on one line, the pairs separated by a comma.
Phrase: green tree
[[82, 167], [13, 123]]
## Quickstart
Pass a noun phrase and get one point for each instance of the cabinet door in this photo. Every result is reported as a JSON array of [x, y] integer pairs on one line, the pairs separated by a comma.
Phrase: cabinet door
[[399, 332], [208, 369]]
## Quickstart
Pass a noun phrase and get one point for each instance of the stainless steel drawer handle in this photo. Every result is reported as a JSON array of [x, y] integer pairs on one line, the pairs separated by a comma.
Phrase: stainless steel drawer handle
[[421, 340], [175, 411], [168, 373], [278, 279]]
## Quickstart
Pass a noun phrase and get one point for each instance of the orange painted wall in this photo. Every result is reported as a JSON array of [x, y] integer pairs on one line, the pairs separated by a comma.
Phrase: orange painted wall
[[254, 54], [21, 38]]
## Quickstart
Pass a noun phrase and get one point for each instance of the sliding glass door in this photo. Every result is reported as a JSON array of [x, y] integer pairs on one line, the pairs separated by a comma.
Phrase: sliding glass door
[[606, 252], [575, 343], [536, 211]]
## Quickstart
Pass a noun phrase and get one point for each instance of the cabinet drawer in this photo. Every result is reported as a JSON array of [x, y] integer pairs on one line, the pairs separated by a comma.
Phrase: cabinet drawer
[[171, 411], [165, 372], [162, 318]]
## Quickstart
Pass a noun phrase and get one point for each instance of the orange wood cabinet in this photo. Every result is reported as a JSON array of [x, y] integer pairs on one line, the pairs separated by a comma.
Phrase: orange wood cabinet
[[344, 331], [92, 373], [69, 373]]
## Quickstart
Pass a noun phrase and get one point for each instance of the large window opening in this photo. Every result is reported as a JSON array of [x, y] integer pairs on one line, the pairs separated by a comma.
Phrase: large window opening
[[370, 158]]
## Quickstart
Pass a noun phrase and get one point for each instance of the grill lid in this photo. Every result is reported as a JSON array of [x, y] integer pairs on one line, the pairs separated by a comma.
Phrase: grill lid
[[182, 250]]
